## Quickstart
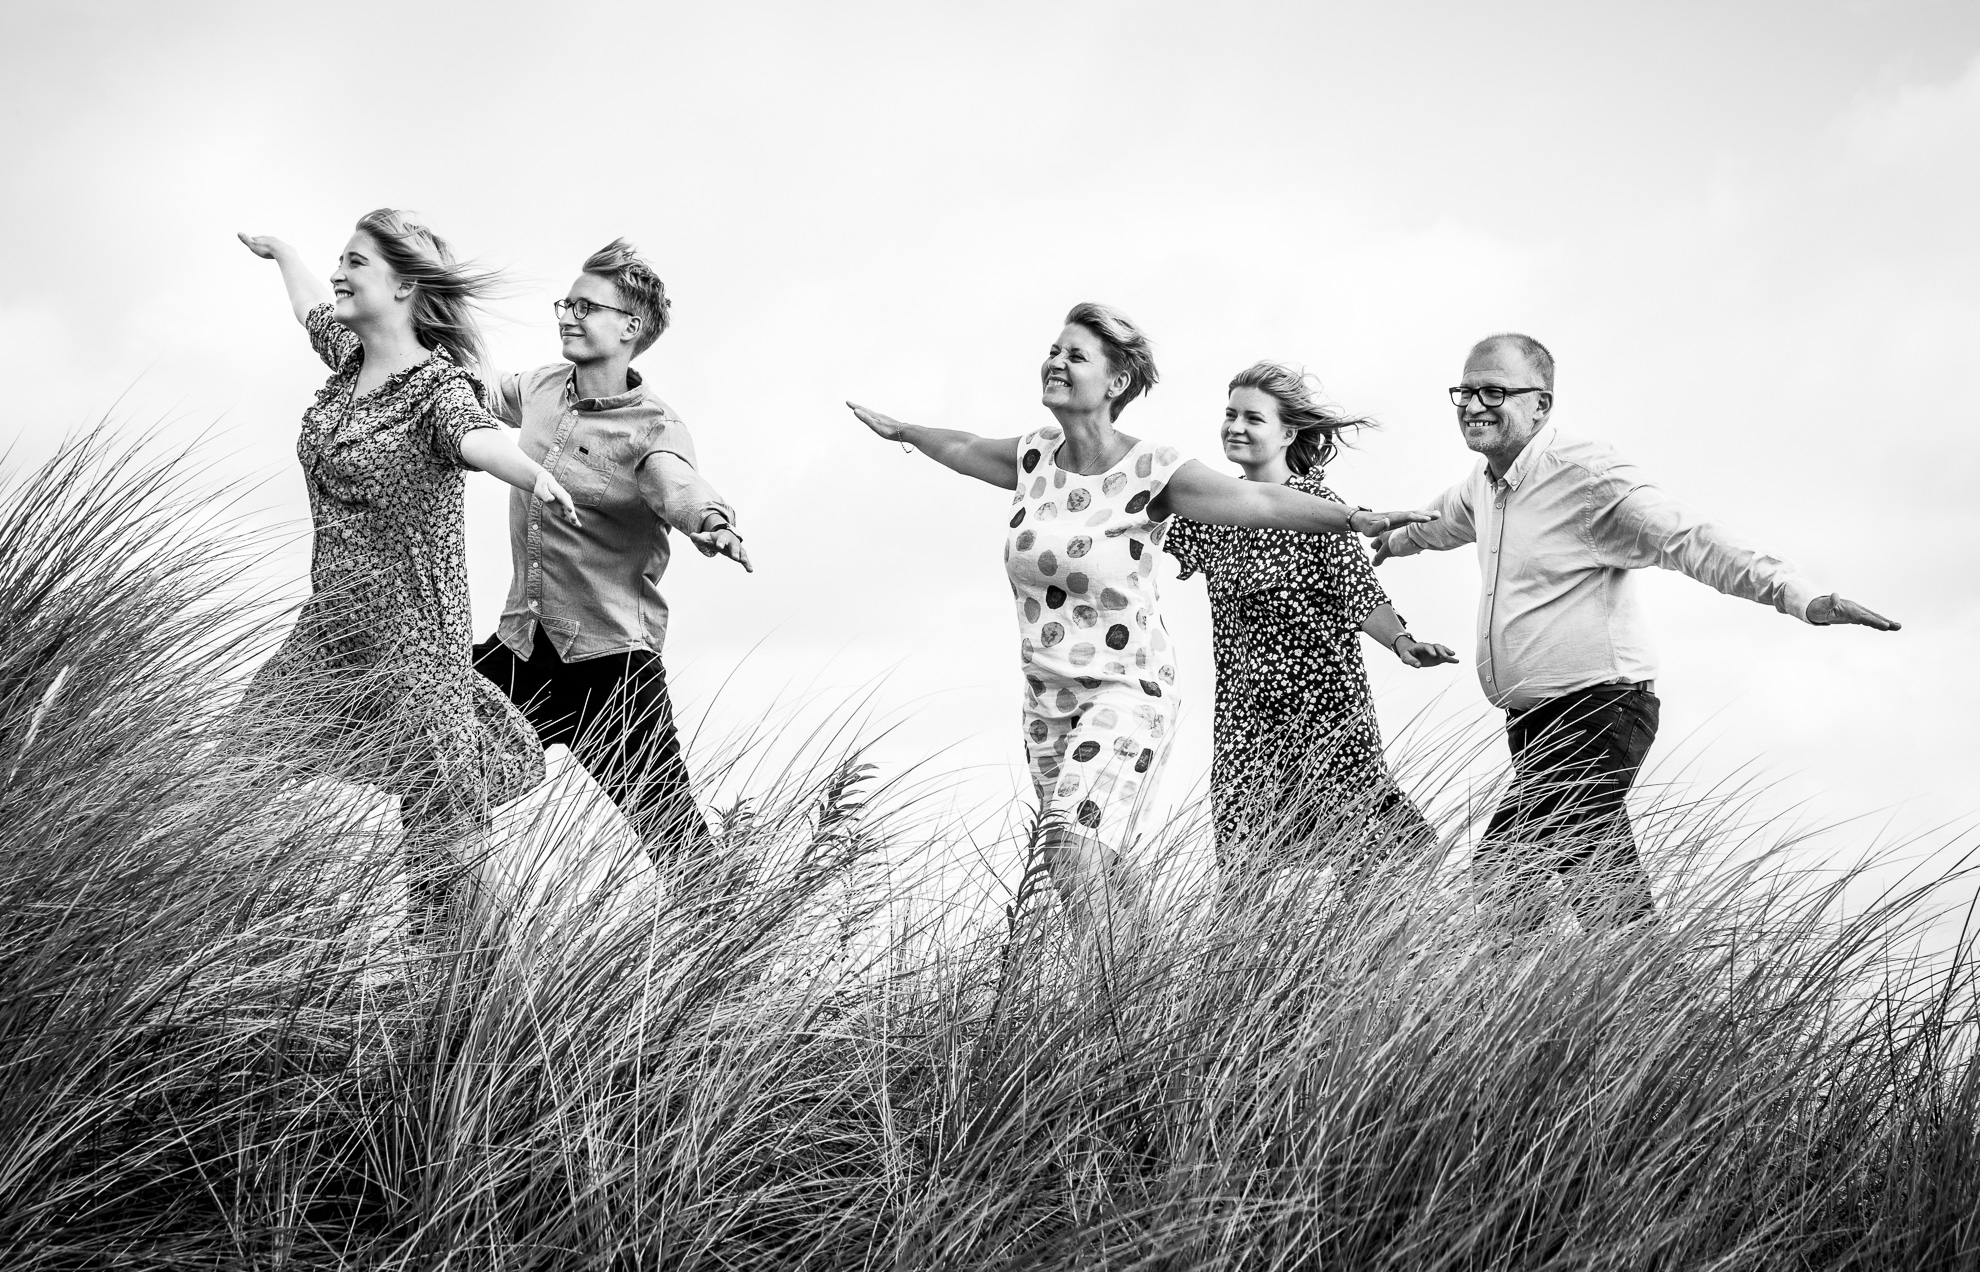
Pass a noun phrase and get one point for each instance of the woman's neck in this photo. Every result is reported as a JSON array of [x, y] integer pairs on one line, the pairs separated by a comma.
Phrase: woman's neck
[[1091, 443], [389, 348], [1274, 471]]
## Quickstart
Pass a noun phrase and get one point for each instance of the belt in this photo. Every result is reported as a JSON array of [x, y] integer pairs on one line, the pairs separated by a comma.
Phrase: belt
[[1644, 686]]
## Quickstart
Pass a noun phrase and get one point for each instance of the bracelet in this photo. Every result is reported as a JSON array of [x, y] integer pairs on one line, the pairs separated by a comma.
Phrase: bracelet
[[1355, 509], [1402, 635]]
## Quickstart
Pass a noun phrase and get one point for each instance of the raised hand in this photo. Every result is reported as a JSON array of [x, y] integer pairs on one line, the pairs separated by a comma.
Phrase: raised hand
[[1417, 653], [1834, 608], [885, 425], [266, 246], [550, 490], [722, 541]]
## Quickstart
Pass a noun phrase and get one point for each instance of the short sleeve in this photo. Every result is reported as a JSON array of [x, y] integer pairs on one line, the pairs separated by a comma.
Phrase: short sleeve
[[454, 411], [1347, 577], [332, 340], [1185, 542]]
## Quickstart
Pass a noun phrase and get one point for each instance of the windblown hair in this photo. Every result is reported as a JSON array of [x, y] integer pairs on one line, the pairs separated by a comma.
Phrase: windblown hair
[[638, 286], [1316, 427], [444, 289], [1532, 350], [1127, 348]]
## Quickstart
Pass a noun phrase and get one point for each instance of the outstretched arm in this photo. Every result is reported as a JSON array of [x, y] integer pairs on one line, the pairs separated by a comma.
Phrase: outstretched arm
[[1387, 629], [1646, 526], [306, 290], [1194, 491], [494, 451], [1454, 528], [987, 459]]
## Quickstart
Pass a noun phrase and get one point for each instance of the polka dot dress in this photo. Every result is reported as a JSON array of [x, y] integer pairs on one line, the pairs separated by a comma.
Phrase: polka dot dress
[[1099, 667]]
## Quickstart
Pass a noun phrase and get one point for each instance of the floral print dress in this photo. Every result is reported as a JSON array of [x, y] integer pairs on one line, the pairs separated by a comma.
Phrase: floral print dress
[[377, 666], [1295, 723], [1099, 668]]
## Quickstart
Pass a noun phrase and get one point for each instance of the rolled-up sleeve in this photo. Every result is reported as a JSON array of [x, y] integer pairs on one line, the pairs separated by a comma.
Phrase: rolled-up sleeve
[[505, 393], [1632, 525], [676, 492]]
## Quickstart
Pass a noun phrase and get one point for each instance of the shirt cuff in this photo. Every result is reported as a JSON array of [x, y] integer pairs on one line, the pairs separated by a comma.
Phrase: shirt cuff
[[1797, 595]]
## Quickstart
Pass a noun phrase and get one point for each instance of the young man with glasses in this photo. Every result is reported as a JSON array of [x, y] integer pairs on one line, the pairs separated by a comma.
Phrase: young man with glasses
[[578, 647], [1559, 522]]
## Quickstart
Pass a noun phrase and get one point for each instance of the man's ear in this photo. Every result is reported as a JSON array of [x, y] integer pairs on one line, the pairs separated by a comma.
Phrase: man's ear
[[633, 325], [1543, 403]]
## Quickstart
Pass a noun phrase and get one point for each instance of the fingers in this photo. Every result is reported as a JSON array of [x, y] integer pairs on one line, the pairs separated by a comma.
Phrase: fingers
[[552, 491], [735, 551], [1848, 611], [1415, 516], [1407, 655], [1382, 552], [1436, 654], [259, 246]]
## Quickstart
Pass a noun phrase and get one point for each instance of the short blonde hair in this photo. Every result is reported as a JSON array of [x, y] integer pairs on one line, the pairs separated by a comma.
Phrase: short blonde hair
[[638, 286], [1127, 348]]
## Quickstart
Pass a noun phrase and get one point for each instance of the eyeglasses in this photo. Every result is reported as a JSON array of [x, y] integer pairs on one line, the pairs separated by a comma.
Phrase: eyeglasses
[[582, 309], [1489, 394]]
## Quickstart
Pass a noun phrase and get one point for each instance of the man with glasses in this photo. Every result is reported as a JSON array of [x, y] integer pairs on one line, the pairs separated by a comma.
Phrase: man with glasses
[[578, 647], [1559, 522]]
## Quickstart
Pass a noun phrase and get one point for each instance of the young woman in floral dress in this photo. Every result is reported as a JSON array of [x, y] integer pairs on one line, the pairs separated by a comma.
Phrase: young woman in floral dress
[[375, 672], [1091, 507], [1298, 753]]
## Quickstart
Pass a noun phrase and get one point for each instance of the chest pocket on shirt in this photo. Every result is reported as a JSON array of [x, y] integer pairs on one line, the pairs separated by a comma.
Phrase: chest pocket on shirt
[[594, 470]]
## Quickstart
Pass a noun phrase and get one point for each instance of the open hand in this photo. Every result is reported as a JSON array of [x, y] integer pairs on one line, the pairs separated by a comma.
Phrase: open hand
[[263, 245], [1417, 653], [1377, 525], [1834, 608], [550, 490], [722, 541], [885, 425]]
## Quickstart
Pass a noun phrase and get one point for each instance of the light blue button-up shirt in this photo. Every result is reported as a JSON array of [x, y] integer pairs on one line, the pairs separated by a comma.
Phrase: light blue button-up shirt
[[629, 464], [1557, 538]]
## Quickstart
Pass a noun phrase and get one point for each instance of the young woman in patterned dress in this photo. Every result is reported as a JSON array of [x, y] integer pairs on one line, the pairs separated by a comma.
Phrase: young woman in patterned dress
[[1091, 507], [377, 663], [1298, 752]]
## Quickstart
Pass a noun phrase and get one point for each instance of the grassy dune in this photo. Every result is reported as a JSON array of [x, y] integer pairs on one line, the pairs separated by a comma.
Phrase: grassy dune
[[214, 1053]]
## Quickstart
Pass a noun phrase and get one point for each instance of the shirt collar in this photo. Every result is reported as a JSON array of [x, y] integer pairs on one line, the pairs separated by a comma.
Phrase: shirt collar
[[1529, 454], [633, 395]]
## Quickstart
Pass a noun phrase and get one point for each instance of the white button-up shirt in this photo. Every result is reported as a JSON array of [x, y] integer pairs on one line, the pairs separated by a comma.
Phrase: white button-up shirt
[[1557, 538]]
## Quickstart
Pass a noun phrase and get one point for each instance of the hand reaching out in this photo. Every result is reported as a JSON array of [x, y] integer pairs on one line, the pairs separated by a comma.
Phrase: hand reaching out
[[265, 246], [550, 490], [885, 425], [1417, 653], [1376, 525], [722, 541], [1835, 609]]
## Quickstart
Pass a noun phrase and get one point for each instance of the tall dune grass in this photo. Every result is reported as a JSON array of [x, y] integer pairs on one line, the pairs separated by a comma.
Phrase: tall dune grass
[[212, 1054]]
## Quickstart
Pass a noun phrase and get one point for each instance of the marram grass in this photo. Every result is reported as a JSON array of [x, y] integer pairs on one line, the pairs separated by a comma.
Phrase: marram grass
[[217, 1052]]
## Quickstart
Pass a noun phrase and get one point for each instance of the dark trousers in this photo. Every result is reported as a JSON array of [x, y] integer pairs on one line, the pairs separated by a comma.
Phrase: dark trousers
[[1574, 759], [615, 715]]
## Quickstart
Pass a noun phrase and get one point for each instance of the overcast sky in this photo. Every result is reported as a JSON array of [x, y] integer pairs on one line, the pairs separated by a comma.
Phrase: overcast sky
[[1746, 231]]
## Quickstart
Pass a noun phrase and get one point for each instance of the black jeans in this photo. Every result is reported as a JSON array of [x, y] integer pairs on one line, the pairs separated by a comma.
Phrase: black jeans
[[1574, 759], [615, 715]]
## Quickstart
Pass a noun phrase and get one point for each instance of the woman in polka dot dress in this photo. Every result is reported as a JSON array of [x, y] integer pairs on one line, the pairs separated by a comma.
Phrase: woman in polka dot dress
[[1297, 743], [378, 658], [1090, 511]]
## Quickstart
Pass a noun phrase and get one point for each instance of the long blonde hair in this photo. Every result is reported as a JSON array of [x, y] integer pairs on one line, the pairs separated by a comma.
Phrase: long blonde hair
[[444, 289], [1316, 427]]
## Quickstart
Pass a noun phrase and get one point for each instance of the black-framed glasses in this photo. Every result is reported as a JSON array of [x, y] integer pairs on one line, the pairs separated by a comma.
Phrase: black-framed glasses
[[582, 309], [1489, 394]]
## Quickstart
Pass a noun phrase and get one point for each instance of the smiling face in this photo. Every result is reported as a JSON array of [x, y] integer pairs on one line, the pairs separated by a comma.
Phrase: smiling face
[[606, 333], [1076, 376], [1255, 438], [1500, 432], [366, 289]]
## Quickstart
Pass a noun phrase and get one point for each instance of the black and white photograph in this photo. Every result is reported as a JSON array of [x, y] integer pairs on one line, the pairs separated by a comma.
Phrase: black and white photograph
[[890, 636]]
